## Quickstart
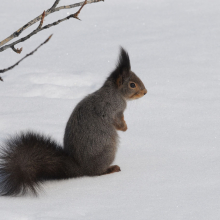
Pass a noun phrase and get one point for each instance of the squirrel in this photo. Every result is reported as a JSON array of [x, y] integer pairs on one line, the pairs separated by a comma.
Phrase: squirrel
[[90, 139]]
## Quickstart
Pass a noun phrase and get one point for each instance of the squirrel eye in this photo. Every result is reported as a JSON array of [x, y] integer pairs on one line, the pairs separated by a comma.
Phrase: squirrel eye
[[132, 85]]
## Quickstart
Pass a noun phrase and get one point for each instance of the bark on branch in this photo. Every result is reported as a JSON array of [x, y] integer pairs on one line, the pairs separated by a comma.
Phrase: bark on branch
[[54, 6], [31, 53], [41, 17]]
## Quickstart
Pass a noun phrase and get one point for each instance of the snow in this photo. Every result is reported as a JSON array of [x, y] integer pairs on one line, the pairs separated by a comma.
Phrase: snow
[[170, 154]]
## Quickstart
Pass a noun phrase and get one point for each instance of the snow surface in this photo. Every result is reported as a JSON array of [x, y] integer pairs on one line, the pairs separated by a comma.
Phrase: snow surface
[[169, 156]]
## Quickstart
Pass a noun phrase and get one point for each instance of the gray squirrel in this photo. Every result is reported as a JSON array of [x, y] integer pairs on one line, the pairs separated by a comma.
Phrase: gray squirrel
[[90, 139]]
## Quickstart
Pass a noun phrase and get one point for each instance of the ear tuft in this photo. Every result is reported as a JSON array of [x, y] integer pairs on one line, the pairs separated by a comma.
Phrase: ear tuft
[[123, 61], [122, 70]]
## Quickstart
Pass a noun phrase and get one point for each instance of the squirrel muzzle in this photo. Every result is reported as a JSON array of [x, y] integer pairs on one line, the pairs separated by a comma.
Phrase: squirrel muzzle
[[139, 94]]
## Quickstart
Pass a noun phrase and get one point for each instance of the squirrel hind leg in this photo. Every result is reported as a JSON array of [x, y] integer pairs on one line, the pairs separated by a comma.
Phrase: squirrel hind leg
[[112, 169]]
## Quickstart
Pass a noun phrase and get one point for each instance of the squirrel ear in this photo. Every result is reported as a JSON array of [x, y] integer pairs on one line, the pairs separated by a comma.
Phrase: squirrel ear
[[122, 70], [123, 65], [124, 61]]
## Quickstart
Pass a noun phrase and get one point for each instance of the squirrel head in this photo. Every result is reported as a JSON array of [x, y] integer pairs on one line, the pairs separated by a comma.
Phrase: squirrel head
[[127, 82]]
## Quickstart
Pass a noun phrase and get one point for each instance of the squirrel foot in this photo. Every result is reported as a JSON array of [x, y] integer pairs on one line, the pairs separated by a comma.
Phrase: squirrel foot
[[112, 169]]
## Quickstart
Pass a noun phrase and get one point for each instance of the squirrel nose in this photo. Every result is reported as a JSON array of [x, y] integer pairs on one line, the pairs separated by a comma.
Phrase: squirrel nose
[[145, 91]]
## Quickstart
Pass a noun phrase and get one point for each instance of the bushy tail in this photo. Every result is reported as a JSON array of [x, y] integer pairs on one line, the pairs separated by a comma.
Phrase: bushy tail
[[28, 159]]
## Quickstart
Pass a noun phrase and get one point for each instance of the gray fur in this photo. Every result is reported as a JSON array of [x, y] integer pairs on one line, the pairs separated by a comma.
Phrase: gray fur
[[90, 136], [90, 139]]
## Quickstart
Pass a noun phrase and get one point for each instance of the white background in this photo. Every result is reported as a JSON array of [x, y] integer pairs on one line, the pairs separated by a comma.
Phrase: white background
[[169, 156]]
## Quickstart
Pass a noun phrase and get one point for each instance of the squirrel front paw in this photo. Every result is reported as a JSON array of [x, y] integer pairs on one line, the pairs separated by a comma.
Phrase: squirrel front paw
[[122, 126], [120, 123], [125, 127]]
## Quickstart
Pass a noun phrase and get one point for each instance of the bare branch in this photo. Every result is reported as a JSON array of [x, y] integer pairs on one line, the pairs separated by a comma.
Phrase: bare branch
[[31, 53], [54, 6], [38, 18], [76, 5], [75, 15], [32, 33]]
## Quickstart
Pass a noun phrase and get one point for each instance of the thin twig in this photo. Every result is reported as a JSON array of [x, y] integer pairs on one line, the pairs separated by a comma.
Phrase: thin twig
[[42, 20], [76, 5], [49, 11], [16, 50], [77, 13], [31, 53]]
